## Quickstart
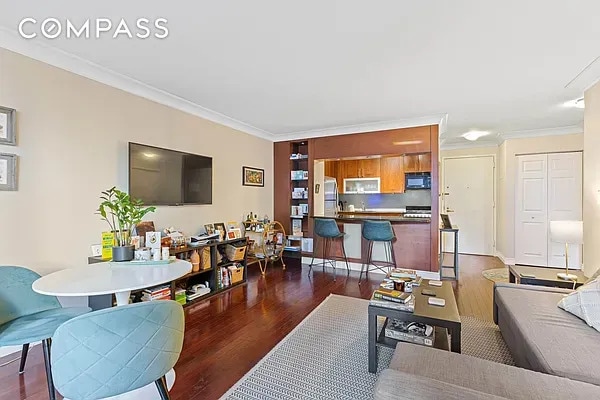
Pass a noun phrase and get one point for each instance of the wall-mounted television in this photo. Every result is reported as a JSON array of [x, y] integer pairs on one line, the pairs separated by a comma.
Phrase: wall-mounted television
[[167, 177]]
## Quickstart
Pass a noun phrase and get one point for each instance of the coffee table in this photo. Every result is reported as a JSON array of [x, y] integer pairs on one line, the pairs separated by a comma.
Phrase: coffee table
[[543, 276], [445, 319]]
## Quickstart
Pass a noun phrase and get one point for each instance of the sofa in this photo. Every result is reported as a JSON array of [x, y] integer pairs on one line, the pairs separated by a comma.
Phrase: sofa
[[554, 352]]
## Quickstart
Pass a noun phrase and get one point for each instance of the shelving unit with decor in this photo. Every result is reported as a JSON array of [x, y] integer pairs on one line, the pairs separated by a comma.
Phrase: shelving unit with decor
[[299, 198]]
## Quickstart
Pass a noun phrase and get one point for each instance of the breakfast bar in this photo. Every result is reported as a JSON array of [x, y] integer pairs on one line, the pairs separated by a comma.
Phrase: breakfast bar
[[412, 247]]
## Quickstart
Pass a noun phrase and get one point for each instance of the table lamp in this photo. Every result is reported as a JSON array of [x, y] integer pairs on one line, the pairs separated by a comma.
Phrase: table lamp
[[567, 232]]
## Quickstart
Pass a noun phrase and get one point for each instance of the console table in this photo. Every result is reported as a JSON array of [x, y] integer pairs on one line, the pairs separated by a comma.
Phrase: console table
[[543, 276]]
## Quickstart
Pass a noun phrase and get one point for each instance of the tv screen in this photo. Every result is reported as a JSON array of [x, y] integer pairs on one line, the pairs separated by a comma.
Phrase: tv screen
[[167, 177]]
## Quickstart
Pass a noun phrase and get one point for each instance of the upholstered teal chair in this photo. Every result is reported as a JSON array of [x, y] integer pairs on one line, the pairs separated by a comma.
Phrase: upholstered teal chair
[[373, 232], [117, 350], [27, 317], [327, 231]]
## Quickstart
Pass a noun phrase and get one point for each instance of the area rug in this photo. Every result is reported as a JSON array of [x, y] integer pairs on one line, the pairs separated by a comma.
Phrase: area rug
[[496, 274], [326, 356]]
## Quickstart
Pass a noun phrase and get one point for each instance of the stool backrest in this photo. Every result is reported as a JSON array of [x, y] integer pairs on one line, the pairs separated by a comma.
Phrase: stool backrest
[[326, 227], [17, 298], [116, 350]]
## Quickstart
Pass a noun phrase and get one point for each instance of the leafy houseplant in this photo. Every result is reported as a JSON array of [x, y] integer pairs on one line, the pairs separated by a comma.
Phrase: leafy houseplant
[[122, 214]]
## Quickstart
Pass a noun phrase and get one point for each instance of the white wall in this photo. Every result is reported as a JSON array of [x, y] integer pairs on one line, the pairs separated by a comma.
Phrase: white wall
[[591, 181], [72, 144]]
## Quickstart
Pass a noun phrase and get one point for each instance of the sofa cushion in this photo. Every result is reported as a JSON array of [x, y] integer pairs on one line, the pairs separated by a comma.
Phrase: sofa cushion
[[584, 303], [396, 385], [487, 376]]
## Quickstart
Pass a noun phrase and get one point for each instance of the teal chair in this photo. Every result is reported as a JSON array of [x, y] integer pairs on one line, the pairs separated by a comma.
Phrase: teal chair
[[382, 232], [27, 317], [116, 350]]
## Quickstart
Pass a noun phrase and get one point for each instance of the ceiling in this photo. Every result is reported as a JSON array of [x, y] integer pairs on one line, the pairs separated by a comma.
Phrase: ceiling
[[282, 70]]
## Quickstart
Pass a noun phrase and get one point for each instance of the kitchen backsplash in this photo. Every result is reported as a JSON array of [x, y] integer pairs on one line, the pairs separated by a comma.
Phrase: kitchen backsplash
[[379, 200]]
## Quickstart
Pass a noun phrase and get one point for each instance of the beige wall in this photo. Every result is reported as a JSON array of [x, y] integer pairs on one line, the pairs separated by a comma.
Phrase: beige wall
[[591, 181], [73, 135], [507, 179]]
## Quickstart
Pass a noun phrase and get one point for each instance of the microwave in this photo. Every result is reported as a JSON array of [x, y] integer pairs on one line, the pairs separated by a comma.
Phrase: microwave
[[420, 180]]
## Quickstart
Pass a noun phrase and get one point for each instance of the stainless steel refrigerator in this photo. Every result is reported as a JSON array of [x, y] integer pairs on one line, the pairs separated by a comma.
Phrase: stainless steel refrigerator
[[331, 196]]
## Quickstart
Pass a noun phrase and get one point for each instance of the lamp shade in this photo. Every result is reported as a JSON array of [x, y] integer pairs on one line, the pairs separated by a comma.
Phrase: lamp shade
[[566, 232]]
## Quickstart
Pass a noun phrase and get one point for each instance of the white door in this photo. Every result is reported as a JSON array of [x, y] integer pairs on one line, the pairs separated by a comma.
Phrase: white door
[[564, 203], [531, 211], [468, 187]]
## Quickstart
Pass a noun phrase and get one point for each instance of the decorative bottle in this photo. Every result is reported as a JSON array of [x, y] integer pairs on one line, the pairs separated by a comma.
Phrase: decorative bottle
[[195, 260]]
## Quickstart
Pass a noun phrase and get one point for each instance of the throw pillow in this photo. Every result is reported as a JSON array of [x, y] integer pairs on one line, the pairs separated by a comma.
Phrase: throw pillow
[[584, 303], [593, 277]]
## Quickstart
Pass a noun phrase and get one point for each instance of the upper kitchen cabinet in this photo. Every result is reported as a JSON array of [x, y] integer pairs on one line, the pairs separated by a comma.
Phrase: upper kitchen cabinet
[[392, 174], [417, 162], [369, 168], [331, 169], [348, 169]]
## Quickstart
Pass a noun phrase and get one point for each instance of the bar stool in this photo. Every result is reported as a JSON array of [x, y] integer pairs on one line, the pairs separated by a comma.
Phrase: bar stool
[[378, 231], [327, 229]]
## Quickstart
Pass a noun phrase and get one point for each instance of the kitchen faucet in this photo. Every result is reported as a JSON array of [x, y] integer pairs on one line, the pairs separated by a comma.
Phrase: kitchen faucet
[[362, 204]]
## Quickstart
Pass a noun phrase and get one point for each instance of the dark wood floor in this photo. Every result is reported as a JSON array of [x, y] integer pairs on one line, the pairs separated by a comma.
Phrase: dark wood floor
[[229, 334]]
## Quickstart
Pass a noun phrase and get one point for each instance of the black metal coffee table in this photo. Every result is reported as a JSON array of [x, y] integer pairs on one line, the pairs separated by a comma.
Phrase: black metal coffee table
[[445, 319]]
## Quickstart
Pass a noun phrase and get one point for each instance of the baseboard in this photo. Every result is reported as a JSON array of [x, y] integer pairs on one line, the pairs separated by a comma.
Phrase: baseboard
[[357, 267], [506, 261]]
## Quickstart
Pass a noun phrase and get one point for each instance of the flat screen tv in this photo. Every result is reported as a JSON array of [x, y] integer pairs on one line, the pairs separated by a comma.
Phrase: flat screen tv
[[167, 177]]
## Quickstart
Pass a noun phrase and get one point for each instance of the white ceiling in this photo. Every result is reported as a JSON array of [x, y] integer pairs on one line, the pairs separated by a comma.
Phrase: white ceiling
[[279, 69]]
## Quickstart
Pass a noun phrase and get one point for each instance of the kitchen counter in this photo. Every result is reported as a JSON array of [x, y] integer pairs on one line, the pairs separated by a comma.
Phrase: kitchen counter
[[357, 217]]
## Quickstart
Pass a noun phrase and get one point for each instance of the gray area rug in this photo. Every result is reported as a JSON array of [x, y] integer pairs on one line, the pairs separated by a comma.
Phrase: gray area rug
[[326, 356], [496, 274]]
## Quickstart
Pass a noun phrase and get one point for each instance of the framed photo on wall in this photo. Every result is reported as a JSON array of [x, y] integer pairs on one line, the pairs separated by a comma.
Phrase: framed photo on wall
[[7, 126], [8, 172], [253, 176]]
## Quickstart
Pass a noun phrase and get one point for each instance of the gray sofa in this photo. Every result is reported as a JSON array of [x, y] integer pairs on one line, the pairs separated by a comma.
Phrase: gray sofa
[[558, 354]]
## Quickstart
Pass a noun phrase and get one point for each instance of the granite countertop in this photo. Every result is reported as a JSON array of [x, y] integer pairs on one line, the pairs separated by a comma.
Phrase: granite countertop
[[374, 217]]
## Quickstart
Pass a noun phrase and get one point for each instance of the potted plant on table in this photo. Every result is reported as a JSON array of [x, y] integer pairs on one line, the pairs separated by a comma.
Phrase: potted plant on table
[[122, 213]]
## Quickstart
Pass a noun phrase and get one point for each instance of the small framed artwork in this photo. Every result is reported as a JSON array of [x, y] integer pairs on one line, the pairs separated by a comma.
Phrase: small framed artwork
[[8, 172], [7, 126], [253, 176], [231, 235], [220, 226], [237, 233], [210, 229]]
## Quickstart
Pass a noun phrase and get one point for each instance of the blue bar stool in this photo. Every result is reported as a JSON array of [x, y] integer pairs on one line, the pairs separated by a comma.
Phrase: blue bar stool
[[378, 231], [327, 229]]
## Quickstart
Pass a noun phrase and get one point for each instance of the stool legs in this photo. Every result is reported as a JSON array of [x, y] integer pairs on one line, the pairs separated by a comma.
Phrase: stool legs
[[161, 385], [390, 260], [24, 352], [46, 344], [326, 249]]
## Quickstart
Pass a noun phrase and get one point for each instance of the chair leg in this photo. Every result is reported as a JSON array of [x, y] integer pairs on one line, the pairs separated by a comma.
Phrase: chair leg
[[345, 257], [362, 267], [161, 385], [23, 357], [393, 255], [46, 344], [324, 253], [313, 257]]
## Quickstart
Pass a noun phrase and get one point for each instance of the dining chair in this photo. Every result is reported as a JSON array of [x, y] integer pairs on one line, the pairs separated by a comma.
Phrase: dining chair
[[116, 350], [378, 232], [28, 317]]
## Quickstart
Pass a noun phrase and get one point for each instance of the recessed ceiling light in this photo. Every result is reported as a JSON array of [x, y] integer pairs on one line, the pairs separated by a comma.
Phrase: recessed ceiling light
[[577, 103], [474, 135]]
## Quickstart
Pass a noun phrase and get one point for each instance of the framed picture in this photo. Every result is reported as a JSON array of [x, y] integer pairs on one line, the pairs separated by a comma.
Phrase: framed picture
[[8, 172], [7, 126], [220, 226], [210, 229], [253, 176], [231, 235], [236, 232]]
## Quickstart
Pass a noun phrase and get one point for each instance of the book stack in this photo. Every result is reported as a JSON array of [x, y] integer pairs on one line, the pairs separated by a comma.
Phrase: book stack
[[412, 332], [394, 299], [157, 293], [401, 279]]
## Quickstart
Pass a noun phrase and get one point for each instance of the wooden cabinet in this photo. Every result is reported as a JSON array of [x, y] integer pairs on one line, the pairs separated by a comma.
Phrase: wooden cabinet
[[331, 169], [349, 169], [417, 162], [369, 168], [392, 174]]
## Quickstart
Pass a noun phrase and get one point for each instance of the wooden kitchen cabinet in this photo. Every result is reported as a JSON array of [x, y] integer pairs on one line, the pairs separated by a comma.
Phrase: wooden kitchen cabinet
[[392, 174], [369, 168], [417, 162], [349, 169], [331, 169]]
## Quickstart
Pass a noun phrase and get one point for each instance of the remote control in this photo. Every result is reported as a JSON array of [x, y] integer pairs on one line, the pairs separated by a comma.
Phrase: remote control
[[527, 275], [435, 283], [428, 292], [436, 301]]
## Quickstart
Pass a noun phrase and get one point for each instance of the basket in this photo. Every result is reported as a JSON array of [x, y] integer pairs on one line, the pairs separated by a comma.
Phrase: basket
[[235, 253], [236, 274], [205, 259]]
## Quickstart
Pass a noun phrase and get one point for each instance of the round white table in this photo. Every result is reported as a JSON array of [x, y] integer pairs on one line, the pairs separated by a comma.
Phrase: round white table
[[118, 279]]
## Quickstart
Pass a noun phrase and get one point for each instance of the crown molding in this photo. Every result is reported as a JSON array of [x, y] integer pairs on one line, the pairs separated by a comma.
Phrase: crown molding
[[468, 145], [561, 130], [58, 58], [362, 128]]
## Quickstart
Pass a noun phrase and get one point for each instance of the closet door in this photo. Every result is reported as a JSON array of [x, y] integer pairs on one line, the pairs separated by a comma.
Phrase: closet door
[[531, 211], [564, 203]]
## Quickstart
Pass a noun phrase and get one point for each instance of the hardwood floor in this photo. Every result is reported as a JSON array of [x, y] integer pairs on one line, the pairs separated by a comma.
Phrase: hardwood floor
[[227, 335]]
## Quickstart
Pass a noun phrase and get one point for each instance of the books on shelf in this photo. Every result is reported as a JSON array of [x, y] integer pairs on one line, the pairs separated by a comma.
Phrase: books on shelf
[[409, 306], [157, 293], [413, 332], [392, 295], [297, 227]]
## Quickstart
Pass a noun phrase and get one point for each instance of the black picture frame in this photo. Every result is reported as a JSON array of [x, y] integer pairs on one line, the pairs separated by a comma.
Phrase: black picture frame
[[253, 176]]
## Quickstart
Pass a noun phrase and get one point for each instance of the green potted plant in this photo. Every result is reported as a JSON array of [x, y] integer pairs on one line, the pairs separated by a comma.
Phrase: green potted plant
[[122, 213]]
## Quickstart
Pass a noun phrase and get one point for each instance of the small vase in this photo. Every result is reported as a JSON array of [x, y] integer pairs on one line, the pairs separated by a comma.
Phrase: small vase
[[195, 260], [122, 253]]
